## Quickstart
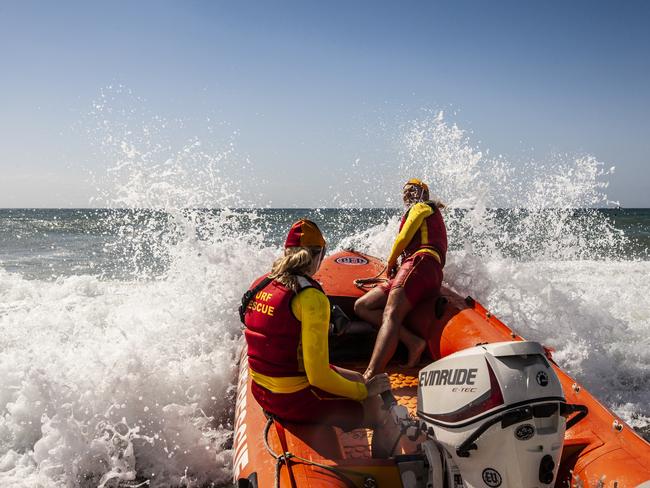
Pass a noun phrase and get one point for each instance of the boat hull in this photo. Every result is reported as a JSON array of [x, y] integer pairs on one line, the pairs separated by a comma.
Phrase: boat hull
[[600, 450]]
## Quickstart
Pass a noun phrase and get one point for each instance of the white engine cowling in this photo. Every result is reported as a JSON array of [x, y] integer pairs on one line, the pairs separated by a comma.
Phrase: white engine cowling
[[496, 410]]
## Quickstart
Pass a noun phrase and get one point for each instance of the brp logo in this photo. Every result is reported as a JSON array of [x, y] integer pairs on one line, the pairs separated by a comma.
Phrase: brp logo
[[352, 260], [542, 378], [491, 477], [525, 432]]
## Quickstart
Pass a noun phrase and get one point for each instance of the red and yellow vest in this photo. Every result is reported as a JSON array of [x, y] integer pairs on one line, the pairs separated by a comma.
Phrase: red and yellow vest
[[432, 235], [273, 335]]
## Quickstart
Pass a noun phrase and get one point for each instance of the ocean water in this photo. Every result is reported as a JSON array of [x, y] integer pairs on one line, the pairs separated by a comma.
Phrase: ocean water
[[119, 332]]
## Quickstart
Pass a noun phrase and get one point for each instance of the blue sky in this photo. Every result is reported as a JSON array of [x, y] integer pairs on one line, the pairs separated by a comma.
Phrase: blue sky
[[302, 83]]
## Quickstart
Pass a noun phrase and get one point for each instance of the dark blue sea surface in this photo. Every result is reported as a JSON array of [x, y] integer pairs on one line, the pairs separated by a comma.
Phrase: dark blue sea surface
[[116, 243]]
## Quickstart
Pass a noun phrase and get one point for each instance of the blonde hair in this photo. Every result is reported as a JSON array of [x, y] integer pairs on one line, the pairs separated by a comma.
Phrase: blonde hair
[[296, 261]]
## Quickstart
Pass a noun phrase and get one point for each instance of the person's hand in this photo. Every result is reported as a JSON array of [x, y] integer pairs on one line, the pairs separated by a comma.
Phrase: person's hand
[[378, 384], [392, 271]]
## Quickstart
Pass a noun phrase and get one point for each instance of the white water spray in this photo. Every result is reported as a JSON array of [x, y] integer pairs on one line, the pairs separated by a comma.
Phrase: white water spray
[[107, 381], [553, 273]]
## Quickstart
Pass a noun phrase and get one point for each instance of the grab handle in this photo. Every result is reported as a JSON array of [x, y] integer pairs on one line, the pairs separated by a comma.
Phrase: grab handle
[[569, 408]]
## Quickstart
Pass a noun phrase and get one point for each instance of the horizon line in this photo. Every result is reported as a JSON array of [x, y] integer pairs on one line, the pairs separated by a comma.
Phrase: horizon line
[[310, 208]]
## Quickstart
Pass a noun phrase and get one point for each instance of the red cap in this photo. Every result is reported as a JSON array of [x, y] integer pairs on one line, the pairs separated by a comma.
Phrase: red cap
[[304, 233]]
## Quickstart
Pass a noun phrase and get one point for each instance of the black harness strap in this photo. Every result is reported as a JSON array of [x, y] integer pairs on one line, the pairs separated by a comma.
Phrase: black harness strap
[[303, 282], [249, 295]]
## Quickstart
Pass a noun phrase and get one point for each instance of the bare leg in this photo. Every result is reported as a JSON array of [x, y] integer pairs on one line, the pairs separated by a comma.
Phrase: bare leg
[[397, 307], [386, 433], [370, 307], [414, 344]]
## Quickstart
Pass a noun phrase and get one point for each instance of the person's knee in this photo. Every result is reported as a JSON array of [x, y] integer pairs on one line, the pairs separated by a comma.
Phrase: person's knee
[[390, 313], [392, 309], [360, 306], [397, 306]]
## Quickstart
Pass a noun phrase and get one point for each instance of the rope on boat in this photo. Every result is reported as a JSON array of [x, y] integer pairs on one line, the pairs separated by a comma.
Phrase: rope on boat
[[369, 283], [279, 459], [284, 458]]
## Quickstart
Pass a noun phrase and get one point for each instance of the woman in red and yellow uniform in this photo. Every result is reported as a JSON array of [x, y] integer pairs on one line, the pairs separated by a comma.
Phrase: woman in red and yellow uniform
[[287, 323], [422, 245]]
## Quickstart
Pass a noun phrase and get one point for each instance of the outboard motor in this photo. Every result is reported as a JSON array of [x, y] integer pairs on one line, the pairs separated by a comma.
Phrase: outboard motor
[[496, 412]]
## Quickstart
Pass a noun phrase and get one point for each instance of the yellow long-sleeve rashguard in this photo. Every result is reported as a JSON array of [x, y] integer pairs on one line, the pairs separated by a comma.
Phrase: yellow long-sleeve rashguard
[[414, 222], [312, 308]]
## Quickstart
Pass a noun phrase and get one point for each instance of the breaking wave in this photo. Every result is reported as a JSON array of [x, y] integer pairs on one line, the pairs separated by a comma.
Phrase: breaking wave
[[124, 376]]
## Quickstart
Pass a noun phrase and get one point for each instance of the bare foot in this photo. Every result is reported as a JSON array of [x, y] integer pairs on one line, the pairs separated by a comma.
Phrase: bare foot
[[415, 352]]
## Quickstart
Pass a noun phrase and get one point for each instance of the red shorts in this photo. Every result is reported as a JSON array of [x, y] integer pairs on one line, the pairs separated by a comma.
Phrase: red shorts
[[421, 277], [311, 405]]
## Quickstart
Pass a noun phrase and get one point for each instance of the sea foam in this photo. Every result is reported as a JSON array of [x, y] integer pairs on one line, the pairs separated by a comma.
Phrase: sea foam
[[121, 382]]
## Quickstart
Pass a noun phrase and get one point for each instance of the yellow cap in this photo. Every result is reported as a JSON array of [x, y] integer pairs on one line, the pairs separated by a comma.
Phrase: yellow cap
[[416, 182]]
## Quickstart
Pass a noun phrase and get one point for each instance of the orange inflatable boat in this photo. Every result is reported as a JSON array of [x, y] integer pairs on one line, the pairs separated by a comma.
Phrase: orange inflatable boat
[[598, 450]]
